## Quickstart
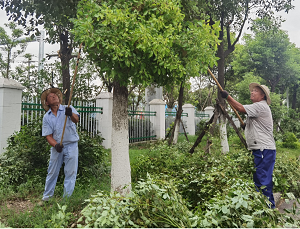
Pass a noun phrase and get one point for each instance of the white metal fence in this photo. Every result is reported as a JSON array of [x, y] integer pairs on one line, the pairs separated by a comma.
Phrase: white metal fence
[[32, 110], [139, 126]]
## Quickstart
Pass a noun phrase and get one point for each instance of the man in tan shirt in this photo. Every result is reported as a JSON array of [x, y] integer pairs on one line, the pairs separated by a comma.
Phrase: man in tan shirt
[[259, 136]]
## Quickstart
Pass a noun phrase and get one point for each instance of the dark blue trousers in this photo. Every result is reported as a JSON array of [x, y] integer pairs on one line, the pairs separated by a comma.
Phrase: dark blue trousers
[[264, 163]]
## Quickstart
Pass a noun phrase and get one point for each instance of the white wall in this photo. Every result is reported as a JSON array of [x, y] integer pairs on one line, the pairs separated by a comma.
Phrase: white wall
[[10, 109]]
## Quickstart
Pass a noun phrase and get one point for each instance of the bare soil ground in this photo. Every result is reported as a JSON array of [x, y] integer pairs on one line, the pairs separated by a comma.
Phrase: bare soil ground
[[17, 205]]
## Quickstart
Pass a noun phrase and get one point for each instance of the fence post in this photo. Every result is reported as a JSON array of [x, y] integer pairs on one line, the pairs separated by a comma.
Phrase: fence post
[[10, 109], [190, 120], [105, 100], [209, 110], [158, 106]]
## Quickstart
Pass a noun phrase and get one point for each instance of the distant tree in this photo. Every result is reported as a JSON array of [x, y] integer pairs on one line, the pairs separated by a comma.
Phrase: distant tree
[[294, 72], [12, 45], [54, 15], [268, 52]]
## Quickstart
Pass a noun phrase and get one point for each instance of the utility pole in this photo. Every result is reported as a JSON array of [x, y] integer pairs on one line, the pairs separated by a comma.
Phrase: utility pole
[[40, 39]]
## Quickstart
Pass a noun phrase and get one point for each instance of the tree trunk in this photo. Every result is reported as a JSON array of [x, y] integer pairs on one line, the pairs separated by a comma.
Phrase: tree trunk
[[221, 79], [8, 63], [287, 98], [175, 132], [233, 125], [120, 164], [294, 99], [223, 135], [65, 55]]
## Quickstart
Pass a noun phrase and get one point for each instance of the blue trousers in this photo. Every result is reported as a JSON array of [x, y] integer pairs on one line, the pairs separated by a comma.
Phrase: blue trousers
[[69, 156], [264, 163]]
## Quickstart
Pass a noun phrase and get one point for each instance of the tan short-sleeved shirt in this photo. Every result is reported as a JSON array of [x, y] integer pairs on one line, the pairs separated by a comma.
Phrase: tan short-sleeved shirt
[[259, 126]]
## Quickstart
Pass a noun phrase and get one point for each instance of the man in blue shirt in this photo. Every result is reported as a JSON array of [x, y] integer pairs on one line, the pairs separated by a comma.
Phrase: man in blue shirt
[[67, 152]]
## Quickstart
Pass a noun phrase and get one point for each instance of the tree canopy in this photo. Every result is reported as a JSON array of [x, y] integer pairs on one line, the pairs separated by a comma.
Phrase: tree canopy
[[54, 15], [144, 41]]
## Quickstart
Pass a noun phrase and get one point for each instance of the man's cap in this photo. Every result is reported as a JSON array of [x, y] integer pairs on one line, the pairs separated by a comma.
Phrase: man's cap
[[264, 88], [46, 93]]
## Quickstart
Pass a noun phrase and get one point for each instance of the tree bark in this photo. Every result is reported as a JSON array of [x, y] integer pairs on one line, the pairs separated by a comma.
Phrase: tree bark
[[221, 79], [8, 63], [175, 131], [120, 163], [233, 125], [65, 55], [294, 98]]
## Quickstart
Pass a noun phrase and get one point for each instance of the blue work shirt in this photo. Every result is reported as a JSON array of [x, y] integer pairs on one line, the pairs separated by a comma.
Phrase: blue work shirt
[[54, 125]]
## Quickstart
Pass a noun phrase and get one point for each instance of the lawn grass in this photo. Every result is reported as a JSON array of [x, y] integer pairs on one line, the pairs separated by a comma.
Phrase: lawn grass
[[291, 153], [18, 211]]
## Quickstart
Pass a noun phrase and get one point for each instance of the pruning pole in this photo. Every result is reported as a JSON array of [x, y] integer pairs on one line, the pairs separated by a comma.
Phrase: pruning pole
[[235, 111], [69, 102]]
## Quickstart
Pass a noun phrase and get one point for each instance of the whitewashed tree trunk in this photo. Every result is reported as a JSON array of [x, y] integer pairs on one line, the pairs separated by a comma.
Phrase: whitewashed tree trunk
[[223, 134], [176, 131], [120, 168]]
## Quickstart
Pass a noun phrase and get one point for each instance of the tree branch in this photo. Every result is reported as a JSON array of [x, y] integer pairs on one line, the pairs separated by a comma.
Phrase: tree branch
[[231, 47], [244, 21]]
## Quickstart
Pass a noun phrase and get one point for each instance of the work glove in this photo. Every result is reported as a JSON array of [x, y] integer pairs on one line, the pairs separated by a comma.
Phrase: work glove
[[224, 94], [59, 147], [68, 111], [243, 126]]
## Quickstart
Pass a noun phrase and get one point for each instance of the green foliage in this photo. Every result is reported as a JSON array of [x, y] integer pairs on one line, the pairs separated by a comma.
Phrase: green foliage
[[52, 14], [143, 41], [266, 53], [61, 218], [92, 159], [200, 176], [8, 44], [240, 207], [286, 175], [200, 126], [290, 141], [152, 203], [277, 108], [27, 154], [291, 122]]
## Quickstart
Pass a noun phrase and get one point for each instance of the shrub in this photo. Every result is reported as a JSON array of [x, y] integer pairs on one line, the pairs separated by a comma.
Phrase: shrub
[[242, 207], [199, 176], [286, 175], [290, 141], [152, 203], [27, 154], [291, 122]]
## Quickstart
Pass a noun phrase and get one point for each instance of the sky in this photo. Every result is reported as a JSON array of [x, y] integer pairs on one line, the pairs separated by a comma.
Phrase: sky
[[290, 25]]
